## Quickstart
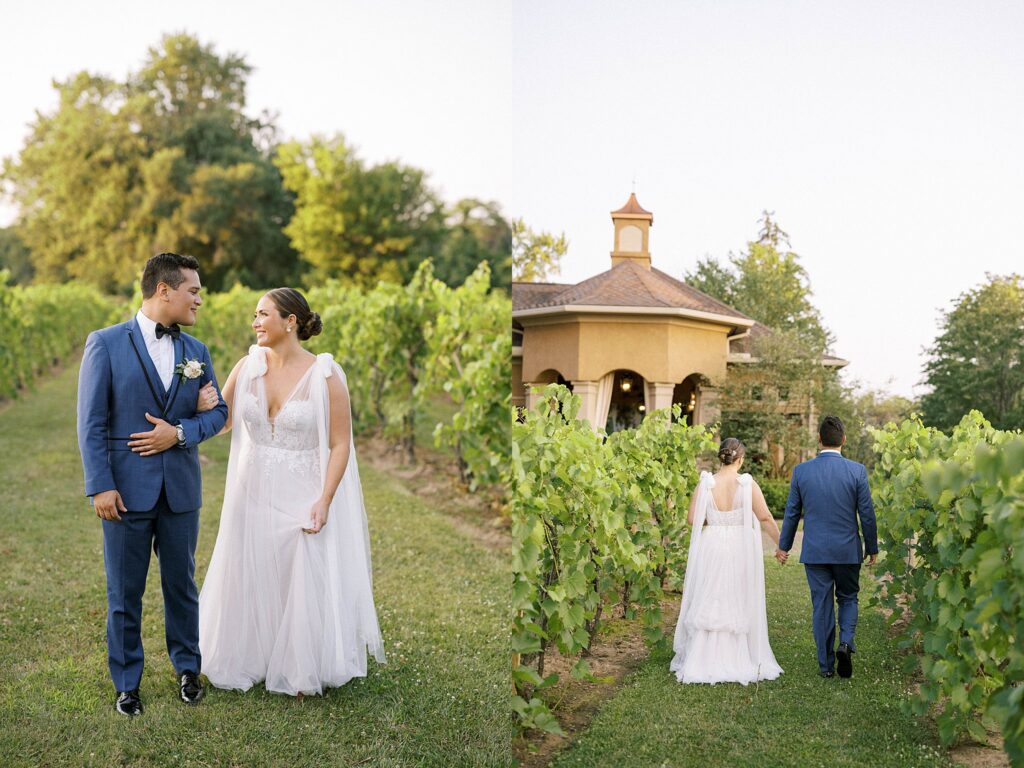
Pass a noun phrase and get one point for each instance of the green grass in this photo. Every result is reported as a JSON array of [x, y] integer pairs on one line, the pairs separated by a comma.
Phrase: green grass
[[442, 600], [799, 719]]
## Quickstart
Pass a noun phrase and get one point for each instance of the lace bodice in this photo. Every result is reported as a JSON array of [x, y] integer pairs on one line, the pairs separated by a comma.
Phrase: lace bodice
[[732, 517], [293, 429], [291, 438]]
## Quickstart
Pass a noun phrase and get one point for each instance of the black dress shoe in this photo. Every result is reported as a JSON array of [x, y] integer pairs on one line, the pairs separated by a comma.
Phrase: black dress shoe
[[830, 673], [844, 658], [128, 703], [192, 690]]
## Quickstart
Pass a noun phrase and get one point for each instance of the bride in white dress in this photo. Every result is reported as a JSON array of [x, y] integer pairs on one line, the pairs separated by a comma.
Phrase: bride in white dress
[[288, 597], [722, 632]]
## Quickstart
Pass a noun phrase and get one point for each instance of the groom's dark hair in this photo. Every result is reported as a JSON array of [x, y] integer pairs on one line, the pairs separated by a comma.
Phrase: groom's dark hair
[[831, 432], [165, 268]]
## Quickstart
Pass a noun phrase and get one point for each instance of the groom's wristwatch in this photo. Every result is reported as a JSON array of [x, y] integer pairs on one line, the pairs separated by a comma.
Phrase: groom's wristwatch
[[181, 435]]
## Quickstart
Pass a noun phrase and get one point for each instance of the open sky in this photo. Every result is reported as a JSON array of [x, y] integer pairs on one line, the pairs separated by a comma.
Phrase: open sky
[[886, 137]]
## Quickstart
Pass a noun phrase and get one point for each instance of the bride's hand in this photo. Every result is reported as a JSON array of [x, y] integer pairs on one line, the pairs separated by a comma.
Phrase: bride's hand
[[208, 398], [317, 516]]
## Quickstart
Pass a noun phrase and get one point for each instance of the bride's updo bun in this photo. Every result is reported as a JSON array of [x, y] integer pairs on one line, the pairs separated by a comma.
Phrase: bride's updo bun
[[290, 302], [311, 327], [730, 451]]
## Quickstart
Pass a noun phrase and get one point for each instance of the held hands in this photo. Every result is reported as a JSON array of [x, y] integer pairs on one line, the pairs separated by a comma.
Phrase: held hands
[[208, 398], [317, 516], [781, 556], [159, 439], [107, 504]]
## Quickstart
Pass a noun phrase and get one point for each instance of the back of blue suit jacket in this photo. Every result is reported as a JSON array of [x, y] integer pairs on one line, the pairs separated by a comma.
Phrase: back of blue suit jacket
[[830, 493]]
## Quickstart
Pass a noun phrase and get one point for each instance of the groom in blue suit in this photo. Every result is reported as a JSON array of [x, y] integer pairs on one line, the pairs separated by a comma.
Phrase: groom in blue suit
[[831, 493], [141, 385]]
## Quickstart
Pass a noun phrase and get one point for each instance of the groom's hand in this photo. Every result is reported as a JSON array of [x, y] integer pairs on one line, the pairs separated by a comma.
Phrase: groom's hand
[[872, 559], [782, 556], [157, 440], [107, 504]]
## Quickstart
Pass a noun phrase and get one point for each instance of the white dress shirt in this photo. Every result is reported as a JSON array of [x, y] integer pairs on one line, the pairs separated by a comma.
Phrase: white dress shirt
[[831, 450], [161, 350]]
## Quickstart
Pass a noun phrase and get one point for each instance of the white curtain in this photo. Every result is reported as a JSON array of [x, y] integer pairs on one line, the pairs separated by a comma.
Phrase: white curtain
[[604, 400]]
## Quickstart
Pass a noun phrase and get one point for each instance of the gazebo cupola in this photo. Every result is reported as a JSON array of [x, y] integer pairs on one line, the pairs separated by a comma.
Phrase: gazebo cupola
[[632, 230]]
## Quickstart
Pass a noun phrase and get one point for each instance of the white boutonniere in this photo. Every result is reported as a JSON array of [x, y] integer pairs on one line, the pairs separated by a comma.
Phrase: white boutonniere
[[190, 369]]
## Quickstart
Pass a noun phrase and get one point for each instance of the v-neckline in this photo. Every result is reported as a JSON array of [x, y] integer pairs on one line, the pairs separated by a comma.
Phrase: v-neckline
[[285, 402]]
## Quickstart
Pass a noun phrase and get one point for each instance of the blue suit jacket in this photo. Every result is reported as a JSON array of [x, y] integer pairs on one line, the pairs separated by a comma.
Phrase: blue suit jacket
[[117, 385], [830, 493]]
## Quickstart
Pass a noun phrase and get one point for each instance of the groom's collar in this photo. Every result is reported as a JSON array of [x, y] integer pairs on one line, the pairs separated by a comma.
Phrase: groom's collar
[[147, 326], [830, 450]]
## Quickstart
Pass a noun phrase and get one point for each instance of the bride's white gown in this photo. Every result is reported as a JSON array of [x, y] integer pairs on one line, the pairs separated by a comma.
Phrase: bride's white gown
[[722, 632], [279, 605]]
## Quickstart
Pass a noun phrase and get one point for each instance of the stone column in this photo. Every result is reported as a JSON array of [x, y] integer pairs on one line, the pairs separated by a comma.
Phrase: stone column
[[660, 393], [707, 410], [532, 398], [587, 390]]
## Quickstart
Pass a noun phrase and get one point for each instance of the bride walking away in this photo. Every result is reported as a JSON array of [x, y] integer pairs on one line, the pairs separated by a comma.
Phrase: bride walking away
[[722, 632]]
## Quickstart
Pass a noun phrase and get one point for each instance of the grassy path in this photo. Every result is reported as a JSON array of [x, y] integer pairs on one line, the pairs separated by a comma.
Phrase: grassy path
[[442, 601], [799, 719]]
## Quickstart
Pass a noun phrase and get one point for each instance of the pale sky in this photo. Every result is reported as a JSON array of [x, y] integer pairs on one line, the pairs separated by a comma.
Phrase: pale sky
[[886, 137], [423, 82]]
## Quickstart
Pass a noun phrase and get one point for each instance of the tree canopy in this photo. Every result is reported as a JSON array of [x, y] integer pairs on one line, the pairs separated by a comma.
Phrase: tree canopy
[[977, 360], [170, 159], [767, 283], [165, 160], [535, 255]]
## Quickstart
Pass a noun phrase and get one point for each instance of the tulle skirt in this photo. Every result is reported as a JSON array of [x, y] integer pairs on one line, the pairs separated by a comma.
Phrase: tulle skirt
[[716, 640], [280, 605]]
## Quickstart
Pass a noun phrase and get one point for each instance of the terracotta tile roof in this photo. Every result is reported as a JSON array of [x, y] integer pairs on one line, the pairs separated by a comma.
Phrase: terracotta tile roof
[[633, 207], [528, 295], [757, 331], [627, 284]]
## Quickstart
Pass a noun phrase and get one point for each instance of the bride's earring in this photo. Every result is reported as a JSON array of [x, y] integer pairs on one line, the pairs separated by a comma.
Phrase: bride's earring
[[289, 329]]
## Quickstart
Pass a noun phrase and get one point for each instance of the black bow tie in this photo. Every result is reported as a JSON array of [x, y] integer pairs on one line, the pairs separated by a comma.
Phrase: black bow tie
[[167, 330]]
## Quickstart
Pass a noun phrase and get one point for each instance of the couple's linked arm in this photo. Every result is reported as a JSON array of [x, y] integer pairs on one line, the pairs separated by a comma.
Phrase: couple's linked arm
[[791, 518], [205, 424]]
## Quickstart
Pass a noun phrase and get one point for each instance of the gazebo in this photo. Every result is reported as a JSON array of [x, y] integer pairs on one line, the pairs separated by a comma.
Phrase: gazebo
[[629, 340]]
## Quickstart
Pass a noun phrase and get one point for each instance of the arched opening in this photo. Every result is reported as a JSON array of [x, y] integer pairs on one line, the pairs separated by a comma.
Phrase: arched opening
[[687, 395], [627, 407], [551, 376]]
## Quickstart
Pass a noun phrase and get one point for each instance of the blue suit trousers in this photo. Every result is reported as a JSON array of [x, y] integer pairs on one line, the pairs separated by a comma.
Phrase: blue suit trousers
[[831, 584], [126, 551]]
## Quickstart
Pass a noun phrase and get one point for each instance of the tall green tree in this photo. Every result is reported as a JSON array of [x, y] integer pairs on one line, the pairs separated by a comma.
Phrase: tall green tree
[[15, 258], [476, 232], [165, 160], [357, 222], [765, 403], [767, 283], [977, 361], [535, 255]]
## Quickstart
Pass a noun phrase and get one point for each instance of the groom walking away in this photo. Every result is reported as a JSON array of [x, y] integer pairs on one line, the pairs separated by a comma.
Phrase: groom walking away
[[830, 493], [138, 432]]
